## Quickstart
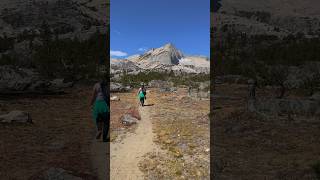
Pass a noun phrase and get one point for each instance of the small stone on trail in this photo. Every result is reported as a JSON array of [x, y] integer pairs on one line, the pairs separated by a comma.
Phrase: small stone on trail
[[16, 116]]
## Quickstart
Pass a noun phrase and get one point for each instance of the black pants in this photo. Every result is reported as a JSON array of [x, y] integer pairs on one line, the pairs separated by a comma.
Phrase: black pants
[[105, 118], [142, 101]]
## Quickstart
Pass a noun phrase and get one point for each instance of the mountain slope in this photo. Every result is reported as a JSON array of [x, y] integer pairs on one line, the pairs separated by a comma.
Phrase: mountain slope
[[164, 59], [64, 17], [167, 54], [278, 18]]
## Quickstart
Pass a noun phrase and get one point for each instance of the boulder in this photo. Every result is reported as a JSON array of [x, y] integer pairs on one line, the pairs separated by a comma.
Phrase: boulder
[[16, 116], [168, 89], [114, 98], [60, 83], [198, 93], [159, 84], [204, 85], [127, 119], [16, 79], [134, 113], [20, 80], [316, 97], [288, 106], [118, 87]]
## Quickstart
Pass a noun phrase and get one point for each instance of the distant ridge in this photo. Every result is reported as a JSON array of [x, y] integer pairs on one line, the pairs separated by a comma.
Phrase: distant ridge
[[165, 59]]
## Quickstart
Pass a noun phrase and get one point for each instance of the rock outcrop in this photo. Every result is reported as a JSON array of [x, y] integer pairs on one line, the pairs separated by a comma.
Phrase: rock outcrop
[[167, 54], [16, 116], [306, 107], [19, 80], [166, 59], [118, 87], [276, 18]]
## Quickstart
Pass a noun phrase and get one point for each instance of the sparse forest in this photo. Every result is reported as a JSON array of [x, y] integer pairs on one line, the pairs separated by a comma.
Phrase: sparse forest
[[269, 59], [56, 57], [146, 77]]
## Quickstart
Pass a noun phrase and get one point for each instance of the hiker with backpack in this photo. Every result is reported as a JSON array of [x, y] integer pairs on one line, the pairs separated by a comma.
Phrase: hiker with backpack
[[142, 92], [100, 109]]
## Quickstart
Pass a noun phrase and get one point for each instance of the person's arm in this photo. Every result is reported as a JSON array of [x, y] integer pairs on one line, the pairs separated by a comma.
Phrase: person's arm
[[93, 97]]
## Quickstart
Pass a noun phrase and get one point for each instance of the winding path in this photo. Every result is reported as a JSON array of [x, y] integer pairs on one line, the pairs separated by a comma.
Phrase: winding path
[[125, 155]]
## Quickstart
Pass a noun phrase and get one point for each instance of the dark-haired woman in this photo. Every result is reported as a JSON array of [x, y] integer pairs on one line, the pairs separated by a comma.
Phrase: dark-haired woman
[[99, 103]]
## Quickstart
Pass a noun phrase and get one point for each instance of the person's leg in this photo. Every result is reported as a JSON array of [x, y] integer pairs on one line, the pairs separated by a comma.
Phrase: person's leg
[[140, 102], [106, 121], [99, 123]]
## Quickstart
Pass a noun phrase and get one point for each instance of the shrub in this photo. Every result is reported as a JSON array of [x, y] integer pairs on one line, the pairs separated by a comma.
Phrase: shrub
[[146, 77]]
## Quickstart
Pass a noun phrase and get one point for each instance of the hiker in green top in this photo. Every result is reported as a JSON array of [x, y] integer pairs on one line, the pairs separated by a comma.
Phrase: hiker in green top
[[100, 106], [142, 92]]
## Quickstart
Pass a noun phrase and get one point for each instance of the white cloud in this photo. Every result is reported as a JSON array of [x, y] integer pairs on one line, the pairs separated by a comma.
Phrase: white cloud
[[118, 53], [143, 49], [117, 32]]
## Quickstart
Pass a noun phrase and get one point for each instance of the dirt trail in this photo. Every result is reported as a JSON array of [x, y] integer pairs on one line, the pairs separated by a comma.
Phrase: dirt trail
[[99, 156], [125, 155]]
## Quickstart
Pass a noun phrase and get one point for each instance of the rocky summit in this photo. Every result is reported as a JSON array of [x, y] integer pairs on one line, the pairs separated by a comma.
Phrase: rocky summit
[[167, 54], [164, 59]]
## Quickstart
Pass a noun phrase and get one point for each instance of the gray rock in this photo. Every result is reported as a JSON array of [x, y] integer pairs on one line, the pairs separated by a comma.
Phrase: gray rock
[[16, 116], [159, 84], [115, 87], [118, 87], [20, 80], [204, 85], [198, 93], [288, 106], [114, 98], [316, 97], [16, 79], [128, 119], [173, 89], [60, 83]]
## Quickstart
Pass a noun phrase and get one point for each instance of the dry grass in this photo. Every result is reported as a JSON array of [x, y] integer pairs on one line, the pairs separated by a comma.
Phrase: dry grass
[[128, 104], [181, 125], [60, 136], [248, 146]]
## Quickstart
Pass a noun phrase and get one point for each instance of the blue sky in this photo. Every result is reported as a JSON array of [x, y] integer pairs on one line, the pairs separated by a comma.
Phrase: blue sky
[[140, 25]]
